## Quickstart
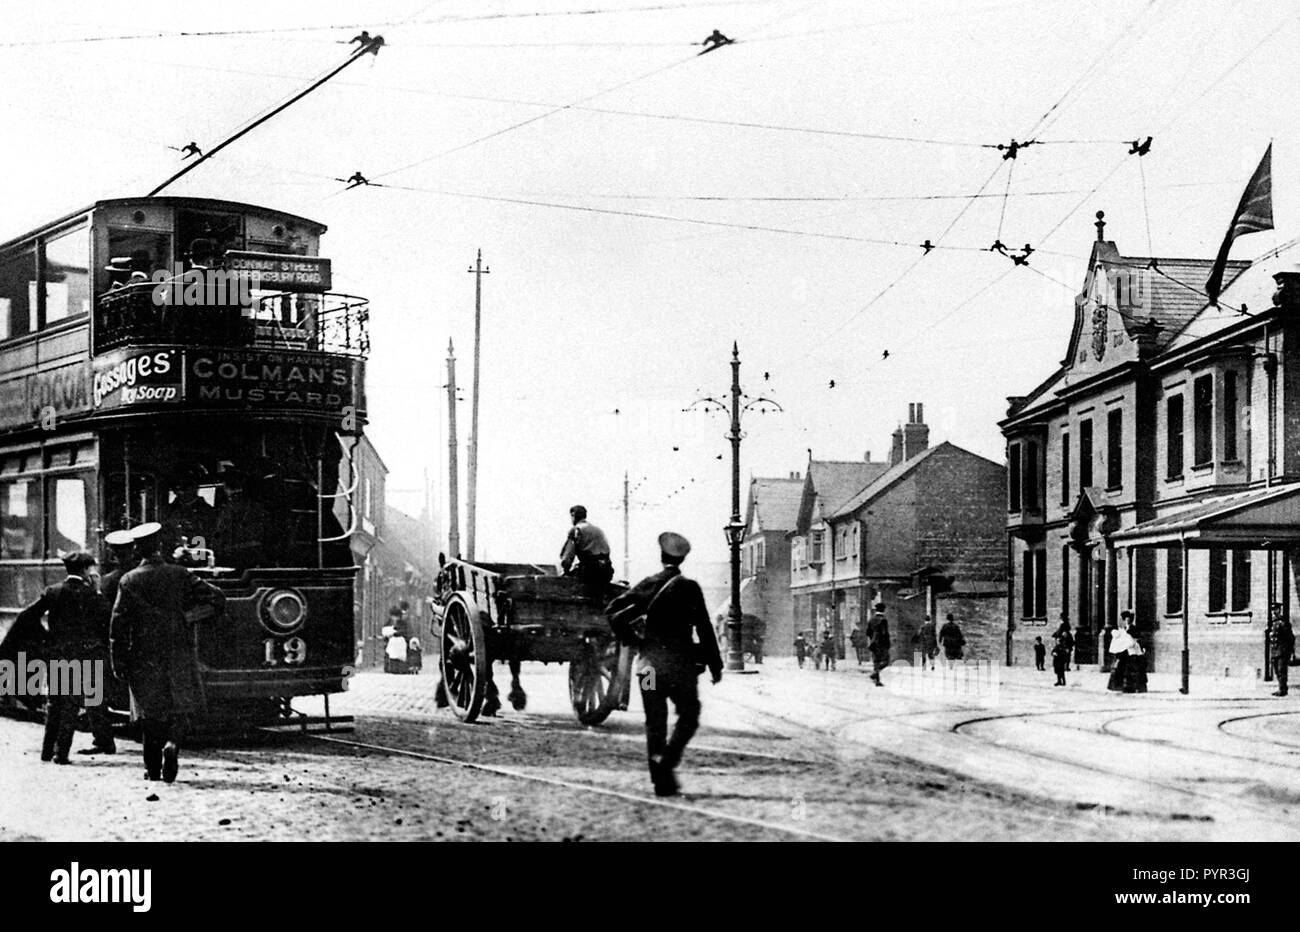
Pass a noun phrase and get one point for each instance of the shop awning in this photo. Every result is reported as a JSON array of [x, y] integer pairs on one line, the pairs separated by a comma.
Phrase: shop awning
[[1258, 519]]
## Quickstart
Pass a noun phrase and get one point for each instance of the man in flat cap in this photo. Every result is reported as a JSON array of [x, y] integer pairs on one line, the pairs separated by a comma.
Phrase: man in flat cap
[[153, 647], [587, 544], [77, 620], [679, 642]]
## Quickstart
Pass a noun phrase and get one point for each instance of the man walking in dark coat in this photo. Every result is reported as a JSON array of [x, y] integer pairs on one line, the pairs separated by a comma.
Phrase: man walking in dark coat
[[1281, 645], [78, 632], [928, 641], [953, 641], [670, 660], [878, 641], [800, 648], [153, 648]]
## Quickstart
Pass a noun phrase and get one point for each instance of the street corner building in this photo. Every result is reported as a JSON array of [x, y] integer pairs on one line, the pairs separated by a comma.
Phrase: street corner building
[[1158, 469], [770, 516], [921, 532]]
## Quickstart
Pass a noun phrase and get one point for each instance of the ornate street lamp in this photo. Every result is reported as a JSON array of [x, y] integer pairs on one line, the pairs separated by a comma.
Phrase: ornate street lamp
[[735, 528]]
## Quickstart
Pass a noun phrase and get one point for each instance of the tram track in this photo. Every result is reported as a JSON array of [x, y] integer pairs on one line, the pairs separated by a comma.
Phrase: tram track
[[579, 787], [964, 727]]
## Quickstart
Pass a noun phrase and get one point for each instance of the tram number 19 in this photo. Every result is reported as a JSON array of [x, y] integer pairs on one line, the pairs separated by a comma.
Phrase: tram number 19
[[294, 650]]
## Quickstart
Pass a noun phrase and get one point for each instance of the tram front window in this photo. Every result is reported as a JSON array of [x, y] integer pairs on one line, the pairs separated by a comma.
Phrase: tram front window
[[248, 494]]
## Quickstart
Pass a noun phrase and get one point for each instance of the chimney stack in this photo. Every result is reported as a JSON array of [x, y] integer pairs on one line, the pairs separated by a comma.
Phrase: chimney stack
[[896, 451], [915, 435]]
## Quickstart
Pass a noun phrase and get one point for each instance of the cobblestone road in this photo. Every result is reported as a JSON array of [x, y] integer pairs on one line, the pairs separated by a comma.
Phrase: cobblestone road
[[784, 754]]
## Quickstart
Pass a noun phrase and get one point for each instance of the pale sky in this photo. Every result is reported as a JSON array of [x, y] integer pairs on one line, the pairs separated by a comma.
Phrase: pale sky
[[778, 237]]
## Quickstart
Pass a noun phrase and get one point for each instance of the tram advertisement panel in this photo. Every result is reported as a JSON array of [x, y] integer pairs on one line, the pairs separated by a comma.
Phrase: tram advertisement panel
[[312, 383], [270, 379], [55, 391], [133, 376]]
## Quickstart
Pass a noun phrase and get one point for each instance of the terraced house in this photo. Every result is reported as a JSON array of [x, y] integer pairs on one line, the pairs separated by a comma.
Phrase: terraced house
[[1158, 468], [923, 533]]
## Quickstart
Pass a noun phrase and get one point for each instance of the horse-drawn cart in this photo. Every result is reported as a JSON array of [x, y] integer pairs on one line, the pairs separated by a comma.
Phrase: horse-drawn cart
[[492, 612]]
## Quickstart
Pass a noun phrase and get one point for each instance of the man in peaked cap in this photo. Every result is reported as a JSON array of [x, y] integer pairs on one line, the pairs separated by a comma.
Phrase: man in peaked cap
[[153, 647], [679, 643], [77, 619]]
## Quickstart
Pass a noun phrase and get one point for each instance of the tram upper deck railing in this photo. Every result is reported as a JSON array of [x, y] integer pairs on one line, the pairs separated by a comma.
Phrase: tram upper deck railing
[[328, 323]]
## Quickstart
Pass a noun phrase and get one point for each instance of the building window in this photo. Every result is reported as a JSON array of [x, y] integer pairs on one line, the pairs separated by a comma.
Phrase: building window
[[1174, 438], [1173, 582], [1034, 584], [1085, 454], [1218, 580], [1013, 478], [760, 555], [1114, 449], [1240, 580], [1203, 421], [1230, 416], [1030, 477], [818, 544], [1065, 469]]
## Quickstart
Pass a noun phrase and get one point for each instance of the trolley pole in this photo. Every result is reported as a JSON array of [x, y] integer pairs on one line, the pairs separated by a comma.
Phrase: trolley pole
[[471, 516], [453, 468]]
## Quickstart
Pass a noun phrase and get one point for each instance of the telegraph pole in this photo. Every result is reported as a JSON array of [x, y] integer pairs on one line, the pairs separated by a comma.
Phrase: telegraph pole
[[453, 479], [627, 573], [471, 516]]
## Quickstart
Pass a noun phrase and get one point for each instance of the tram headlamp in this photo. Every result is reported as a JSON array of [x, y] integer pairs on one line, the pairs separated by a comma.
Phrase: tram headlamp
[[284, 611]]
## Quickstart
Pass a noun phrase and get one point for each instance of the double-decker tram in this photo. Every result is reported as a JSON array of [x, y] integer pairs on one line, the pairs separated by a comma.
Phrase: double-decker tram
[[186, 361]]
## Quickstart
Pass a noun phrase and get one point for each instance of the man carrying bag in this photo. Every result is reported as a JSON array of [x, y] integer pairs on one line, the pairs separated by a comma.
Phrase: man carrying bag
[[665, 616]]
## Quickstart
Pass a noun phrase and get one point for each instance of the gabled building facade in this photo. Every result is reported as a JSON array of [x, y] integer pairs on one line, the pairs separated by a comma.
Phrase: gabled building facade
[[927, 537], [770, 516], [827, 485], [1156, 470]]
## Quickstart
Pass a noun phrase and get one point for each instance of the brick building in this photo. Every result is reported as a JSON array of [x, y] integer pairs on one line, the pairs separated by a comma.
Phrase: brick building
[[771, 514], [1157, 468], [921, 531], [925, 537]]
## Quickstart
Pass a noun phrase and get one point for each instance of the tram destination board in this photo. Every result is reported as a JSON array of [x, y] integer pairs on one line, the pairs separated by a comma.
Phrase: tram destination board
[[283, 272]]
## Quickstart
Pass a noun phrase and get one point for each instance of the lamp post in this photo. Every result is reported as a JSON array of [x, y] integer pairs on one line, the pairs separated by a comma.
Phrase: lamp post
[[735, 528]]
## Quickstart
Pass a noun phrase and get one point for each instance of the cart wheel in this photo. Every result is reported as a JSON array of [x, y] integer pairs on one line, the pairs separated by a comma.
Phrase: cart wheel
[[597, 681], [464, 660]]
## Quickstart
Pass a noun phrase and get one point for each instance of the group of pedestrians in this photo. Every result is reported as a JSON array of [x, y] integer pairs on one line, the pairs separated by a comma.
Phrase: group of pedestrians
[[403, 652], [139, 621]]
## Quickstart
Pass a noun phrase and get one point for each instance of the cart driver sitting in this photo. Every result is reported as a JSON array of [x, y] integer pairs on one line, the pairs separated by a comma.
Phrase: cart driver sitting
[[587, 545]]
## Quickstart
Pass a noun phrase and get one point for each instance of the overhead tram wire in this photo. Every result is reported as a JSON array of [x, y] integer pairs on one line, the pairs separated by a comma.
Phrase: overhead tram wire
[[437, 21], [372, 47], [1048, 118], [541, 116], [698, 221], [642, 114]]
